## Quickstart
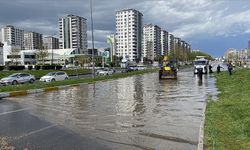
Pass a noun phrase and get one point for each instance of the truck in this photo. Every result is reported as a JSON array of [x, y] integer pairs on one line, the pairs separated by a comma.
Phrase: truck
[[201, 64]]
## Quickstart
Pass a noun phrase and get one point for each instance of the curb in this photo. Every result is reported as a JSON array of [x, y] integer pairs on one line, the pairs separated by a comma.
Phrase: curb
[[202, 126], [35, 91]]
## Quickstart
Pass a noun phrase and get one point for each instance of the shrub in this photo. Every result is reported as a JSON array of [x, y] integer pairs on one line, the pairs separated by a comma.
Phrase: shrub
[[37, 67], [16, 67], [30, 67], [59, 67], [48, 67], [2, 68]]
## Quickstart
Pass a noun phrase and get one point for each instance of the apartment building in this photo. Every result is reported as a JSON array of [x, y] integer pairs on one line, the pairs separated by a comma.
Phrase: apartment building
[[151, 41], [33, 40], [73, 33], [129, 34], [164, 42], [13, 36], [50, 42], [170, 43]]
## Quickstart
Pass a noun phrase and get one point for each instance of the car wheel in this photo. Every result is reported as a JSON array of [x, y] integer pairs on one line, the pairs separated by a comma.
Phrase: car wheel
[[66, 78], [53, 80], [14, 82], [32, 80]]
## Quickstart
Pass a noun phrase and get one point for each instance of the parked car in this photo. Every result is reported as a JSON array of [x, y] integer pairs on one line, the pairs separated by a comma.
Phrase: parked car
[[141, 67], [54, 76], [18, 78], [99, 70], [132, 68], [106, 71]]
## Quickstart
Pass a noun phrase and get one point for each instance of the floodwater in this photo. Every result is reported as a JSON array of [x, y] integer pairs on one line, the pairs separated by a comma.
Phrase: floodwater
[[138, 112]]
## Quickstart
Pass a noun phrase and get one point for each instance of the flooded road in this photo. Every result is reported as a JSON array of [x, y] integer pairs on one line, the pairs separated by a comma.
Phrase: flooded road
[[138, 112]]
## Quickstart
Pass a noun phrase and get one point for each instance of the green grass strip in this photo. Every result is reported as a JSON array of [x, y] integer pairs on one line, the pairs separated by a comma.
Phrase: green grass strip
[[227, 125], [71, 81], [40, 73]]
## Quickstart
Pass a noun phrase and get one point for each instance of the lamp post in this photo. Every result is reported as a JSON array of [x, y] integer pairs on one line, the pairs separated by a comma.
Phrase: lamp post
[[52, 52], [92, 37]]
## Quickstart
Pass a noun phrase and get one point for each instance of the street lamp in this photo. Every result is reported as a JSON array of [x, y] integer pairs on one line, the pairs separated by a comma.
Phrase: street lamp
[[52, 52], [92, 37]]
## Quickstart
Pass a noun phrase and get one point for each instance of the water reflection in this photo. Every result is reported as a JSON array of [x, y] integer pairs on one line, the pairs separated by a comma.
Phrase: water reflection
[[138, 112]]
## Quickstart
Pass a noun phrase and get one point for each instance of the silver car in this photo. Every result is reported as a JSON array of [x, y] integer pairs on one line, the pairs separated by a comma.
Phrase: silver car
[[54, 76], [17, 78]]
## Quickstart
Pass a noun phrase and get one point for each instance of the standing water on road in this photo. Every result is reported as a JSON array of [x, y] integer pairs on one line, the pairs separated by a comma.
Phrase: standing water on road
[[138, 112]]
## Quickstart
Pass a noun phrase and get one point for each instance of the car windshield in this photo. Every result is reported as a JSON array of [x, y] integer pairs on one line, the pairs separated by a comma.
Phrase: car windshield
[[200, 62], [51, 74], [14, 75]]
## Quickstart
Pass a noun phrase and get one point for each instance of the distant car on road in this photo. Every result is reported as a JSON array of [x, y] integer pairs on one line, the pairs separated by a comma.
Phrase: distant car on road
[[106, 71], [54, 76], [18, 78], [141, 67]]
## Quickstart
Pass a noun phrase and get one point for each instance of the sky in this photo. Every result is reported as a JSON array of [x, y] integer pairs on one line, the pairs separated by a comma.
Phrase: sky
[[211, 26]]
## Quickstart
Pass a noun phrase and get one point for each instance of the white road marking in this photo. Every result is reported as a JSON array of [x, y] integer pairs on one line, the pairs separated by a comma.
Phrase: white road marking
[[37, 131], [14, 111]]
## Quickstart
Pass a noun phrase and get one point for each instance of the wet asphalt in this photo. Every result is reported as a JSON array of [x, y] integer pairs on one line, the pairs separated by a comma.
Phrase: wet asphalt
[[134, 113], [24, 130]]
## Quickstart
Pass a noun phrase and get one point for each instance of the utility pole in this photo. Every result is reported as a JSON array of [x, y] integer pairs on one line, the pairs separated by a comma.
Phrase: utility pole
[[92, 37]]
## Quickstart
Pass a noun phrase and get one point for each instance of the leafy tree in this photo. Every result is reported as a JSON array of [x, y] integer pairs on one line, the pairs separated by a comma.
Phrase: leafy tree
[[14, 55], [193, 55], [41, 55], [82, 60]]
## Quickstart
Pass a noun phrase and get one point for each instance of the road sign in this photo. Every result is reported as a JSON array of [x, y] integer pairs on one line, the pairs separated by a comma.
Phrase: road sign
[[105, 54]]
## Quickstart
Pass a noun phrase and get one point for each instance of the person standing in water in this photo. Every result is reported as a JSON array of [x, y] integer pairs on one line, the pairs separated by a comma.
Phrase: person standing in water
[[218, 68]]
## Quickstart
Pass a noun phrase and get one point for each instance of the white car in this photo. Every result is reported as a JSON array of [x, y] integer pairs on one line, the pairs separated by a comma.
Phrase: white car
[[106, 71], [17, 78], [54, 76]]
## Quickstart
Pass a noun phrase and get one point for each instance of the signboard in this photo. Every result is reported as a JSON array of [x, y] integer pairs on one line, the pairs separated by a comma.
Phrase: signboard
[[105, 54]]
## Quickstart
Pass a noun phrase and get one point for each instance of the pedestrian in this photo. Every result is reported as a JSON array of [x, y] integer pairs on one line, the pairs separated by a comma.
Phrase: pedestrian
[[218, 68], [210, 69], [230, 68]]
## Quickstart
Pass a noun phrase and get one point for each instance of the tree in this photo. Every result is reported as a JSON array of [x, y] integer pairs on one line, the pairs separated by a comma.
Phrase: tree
[[41, 54], [82, 60], [192, 55], [14, 55]]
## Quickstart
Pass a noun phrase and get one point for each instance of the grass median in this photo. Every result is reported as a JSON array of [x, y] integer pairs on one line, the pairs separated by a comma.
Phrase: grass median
[[227, 124], [39, 85], [40, 73]]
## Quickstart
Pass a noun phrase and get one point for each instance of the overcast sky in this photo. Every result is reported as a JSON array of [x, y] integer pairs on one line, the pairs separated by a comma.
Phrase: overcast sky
[[212, 26]]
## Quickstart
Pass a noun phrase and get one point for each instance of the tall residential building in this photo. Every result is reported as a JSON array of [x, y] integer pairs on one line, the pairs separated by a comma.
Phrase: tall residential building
[[151, 41], [170, 43], [249, 45], [164, 42], [33, 40], [129, 32], [13, 36], [73, 33], [50, 42]]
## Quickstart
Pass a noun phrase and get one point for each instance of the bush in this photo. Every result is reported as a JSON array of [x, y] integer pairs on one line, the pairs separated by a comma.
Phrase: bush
[[2, 68], [48, 67], [16, 67], [30, 67], [59, 67], [37, 67]]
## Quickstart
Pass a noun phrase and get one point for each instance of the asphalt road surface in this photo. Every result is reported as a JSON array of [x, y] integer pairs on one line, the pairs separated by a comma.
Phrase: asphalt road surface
[[24, 130]]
